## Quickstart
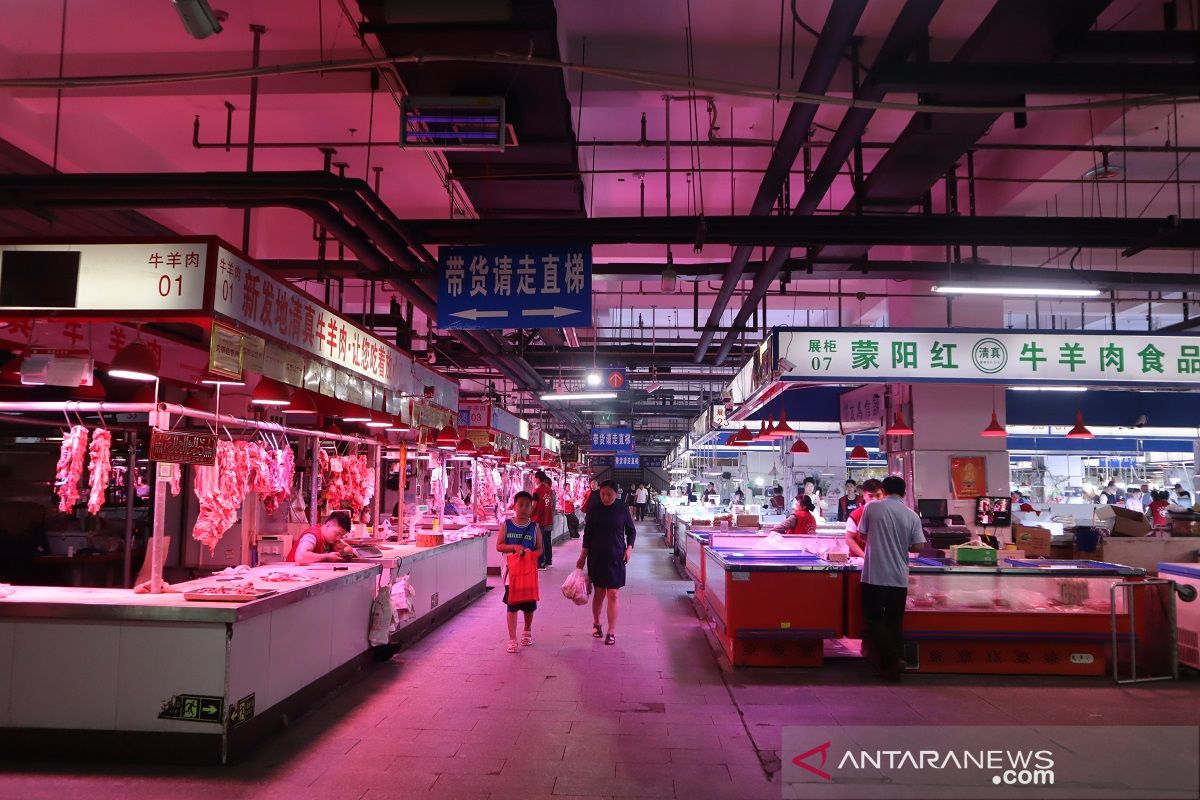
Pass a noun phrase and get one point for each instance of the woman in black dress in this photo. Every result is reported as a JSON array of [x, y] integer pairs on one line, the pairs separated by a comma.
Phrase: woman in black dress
[[608, 537]]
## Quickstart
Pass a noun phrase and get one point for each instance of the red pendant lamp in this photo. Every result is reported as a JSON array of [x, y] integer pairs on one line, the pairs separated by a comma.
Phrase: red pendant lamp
[[799, 446], [762, 435], [302, 403], [268, 392], [446, 439], [994, 430], [859, 453], [1080, 430], [379, 420], [136, 362], [741, 437], [783, 429], [899, 426], [464, 447]]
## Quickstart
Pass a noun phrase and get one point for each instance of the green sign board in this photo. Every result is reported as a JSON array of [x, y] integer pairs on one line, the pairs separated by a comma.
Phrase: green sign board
[[193, 708]]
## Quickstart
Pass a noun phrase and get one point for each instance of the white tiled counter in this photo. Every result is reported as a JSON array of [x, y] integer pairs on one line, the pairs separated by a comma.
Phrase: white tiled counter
[[160, 677]]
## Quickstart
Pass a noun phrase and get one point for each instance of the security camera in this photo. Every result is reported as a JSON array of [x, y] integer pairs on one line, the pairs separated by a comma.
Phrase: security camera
[[198, 17], [785, 365]]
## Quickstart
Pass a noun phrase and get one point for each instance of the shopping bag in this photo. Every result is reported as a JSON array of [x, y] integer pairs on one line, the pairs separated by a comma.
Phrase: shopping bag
[[577, 587], [522, 578]]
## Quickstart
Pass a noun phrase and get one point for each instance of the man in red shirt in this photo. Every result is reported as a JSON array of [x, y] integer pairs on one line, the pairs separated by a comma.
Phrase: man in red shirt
[[872, 490], [543, 498]]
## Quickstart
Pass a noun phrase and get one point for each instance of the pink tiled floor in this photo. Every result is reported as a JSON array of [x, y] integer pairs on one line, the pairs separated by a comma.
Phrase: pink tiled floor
[[457, 717]]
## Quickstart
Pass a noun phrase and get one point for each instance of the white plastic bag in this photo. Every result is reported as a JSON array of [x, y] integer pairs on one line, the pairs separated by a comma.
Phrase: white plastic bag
[[577, 587], [382, 612]]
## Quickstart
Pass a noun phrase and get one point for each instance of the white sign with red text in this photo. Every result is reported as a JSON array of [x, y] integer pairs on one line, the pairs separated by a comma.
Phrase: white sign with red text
[[249, 295]]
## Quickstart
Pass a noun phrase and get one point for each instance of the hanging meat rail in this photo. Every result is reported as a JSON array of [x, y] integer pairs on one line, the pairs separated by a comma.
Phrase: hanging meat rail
[[159, 417]]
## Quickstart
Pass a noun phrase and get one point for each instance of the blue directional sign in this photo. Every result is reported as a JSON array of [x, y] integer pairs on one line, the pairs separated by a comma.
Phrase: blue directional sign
[[610, 440], [514, 287], [627, 460]]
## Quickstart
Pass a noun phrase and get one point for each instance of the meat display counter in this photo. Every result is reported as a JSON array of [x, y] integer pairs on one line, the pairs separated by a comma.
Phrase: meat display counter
[[773, 607], [1033, 616], [161, 676]]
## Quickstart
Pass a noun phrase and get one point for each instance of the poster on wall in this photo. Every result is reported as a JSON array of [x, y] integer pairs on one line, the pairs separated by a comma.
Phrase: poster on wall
[[968, 477]]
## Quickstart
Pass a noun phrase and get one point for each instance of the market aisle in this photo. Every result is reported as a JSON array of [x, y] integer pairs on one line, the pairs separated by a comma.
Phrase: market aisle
[[456, 716]]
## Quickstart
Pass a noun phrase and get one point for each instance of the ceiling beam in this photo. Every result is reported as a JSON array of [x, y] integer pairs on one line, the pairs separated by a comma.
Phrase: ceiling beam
[[802, 231], [836, 36], [1039, 78], [1158, 46]]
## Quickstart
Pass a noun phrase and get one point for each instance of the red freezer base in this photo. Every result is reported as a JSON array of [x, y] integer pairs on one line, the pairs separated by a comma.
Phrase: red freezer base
[[981, 657]]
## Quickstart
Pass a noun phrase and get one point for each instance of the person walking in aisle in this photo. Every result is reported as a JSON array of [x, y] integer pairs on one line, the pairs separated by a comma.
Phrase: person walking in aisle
[[543, 499], [643, 499], [891, 529], [608, 536], [520, 535]]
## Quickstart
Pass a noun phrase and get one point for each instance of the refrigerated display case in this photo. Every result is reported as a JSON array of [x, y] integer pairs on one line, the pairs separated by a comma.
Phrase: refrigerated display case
[[773, 608], [1022, 617], [1187, 617]]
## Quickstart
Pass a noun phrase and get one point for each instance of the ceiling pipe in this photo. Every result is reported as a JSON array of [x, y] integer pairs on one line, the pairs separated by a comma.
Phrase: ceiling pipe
[[836, 36], [909, 30]]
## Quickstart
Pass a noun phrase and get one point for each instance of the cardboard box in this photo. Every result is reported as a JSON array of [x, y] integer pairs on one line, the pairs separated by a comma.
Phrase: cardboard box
[[1121, 521], [968, 554], [1033, 540]]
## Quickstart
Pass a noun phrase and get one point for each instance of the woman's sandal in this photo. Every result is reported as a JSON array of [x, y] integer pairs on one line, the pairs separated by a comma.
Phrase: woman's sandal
[[597, 632], [512, 645], [610, 639], [527, 639]]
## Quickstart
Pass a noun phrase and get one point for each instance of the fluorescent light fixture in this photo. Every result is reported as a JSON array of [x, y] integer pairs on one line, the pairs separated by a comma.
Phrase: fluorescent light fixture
[[593, 379], [580, 396], [1048, 388], [1017, 291]]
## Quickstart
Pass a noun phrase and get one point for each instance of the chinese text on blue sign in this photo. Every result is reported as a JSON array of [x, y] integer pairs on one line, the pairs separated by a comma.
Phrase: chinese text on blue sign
[[627, 460], [612, 439], [503, 287]]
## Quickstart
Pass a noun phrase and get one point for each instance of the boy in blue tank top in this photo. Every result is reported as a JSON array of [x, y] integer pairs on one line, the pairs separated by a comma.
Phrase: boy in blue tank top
[[520, 535]]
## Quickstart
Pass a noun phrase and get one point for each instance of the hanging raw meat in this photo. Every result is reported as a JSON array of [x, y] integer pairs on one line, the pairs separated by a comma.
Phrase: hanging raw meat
[[221, 489], [282, 466], [348, 481], [70, 468], [99, 469]]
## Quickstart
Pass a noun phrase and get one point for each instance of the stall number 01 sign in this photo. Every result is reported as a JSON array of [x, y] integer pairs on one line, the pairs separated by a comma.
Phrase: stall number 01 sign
[[868, 355]]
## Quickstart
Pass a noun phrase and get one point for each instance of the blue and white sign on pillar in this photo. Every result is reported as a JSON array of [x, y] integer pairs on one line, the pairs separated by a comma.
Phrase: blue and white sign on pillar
[[627, 461], [514, 287]]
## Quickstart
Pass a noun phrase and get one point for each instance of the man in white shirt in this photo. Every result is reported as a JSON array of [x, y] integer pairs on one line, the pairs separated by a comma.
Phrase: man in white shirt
[[642, 498], [1133, 501], [892, 530]]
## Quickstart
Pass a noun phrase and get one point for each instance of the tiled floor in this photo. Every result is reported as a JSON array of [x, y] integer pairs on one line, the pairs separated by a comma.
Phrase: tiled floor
[[656, 716]]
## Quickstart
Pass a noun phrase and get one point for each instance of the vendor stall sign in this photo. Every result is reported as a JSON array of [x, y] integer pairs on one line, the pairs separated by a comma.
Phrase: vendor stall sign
[[881, 355], [474, 415], [612, 439], [861, 409], [249, 296], [183, 448], [968, 477], [522, 287], [164, 277]]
